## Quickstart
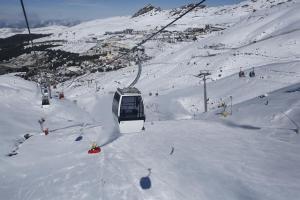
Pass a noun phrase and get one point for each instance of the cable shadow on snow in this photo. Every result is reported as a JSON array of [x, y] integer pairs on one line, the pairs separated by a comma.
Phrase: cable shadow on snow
[[243, 126], [249, 127], [114, 135], [17, 144]]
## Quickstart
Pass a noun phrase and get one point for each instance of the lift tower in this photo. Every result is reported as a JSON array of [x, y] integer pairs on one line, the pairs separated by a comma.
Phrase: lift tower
[[203, 74]]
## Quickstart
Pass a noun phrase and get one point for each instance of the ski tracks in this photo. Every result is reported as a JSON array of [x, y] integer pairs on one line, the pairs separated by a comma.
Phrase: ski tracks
[[122, 181], [116, 181]]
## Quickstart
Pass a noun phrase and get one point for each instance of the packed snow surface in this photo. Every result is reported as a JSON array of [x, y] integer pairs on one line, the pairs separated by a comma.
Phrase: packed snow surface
[[250, 151]]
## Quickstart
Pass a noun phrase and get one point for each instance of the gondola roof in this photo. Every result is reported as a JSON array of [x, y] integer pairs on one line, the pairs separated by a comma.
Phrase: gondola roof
[[129, 91]]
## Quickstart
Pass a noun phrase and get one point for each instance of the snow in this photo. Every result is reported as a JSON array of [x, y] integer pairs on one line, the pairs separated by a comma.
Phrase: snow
[[7, 32], [251, 154], [73, 68]]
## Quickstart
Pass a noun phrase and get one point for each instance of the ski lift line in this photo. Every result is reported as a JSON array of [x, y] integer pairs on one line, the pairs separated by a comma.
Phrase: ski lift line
[[28, 27], [153, 35], [291, 120], [76, 79], [30, 35], [138, 74], [156, 33], [84, 126], [127, 124], [26, 19], [286, 72]]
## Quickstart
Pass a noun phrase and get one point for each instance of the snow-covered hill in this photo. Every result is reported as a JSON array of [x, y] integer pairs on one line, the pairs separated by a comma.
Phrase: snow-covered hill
[[251, 154]]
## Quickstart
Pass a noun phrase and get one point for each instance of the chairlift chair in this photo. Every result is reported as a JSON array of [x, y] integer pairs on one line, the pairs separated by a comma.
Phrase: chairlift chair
[[128, 110], [61, 95], [241, 73], [252, 73]]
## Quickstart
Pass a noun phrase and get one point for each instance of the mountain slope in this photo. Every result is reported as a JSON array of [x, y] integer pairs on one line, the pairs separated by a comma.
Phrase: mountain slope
[[251, 154]]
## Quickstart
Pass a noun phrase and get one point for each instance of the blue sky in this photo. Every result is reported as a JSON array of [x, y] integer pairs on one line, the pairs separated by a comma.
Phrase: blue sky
[[10, 10]]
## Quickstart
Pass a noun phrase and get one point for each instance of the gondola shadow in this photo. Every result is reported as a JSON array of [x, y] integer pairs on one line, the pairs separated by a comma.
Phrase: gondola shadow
[[79, 138], [145, 182]]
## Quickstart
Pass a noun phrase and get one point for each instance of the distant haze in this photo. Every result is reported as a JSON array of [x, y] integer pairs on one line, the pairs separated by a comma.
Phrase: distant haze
[[69, 12]]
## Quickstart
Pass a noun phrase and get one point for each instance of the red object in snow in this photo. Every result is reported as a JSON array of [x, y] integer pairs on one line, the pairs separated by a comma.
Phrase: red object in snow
[[46, 131], [94, 150], [61, 95]]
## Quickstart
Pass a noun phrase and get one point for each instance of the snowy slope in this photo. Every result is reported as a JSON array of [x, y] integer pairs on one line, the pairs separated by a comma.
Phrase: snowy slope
[[226, 16], [263, 25], [239, 160], [251, 154]]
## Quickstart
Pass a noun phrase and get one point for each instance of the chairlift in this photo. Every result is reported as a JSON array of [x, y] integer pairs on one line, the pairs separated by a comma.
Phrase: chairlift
[[252, 73], [128, 110], [61, 95], [241, 73]]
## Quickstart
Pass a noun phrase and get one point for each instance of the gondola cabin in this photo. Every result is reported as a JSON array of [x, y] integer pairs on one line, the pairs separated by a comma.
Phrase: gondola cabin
[[241, 74], [45, 91], [128, 110], [45, 100]]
